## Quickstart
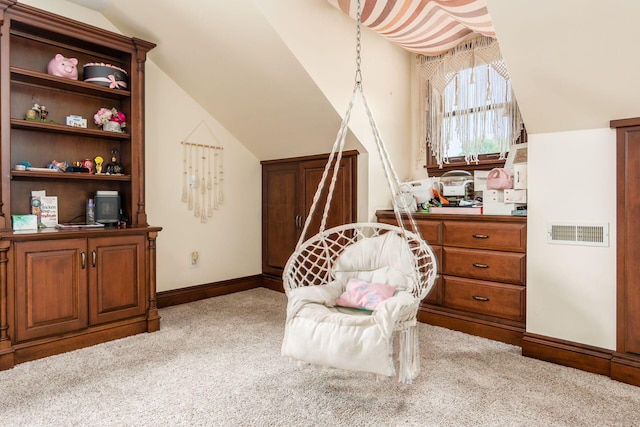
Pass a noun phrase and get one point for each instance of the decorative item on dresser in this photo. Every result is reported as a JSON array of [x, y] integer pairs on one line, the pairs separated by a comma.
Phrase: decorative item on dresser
[[480, 289], [77, 284]]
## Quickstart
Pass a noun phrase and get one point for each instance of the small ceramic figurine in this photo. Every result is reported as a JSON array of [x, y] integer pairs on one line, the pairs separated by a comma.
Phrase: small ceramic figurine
[[98, 160], [115, 167], [63, 67], [33, 113], [88, 164]]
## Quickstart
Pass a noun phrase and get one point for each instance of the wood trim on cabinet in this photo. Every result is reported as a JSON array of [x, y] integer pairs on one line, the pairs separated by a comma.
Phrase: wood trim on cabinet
[[272, 282], [625, 369], [349, 153], [25, 352], [386, 213]]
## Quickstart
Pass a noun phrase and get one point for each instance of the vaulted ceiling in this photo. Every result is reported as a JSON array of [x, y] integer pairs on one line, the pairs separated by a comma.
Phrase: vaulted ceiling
[[573, 63]]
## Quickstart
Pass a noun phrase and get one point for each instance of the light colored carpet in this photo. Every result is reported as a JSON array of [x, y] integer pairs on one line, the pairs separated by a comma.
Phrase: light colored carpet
[[217, 362]]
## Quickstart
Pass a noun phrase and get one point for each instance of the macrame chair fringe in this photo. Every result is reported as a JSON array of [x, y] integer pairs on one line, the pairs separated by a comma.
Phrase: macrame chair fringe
[[488, 95]]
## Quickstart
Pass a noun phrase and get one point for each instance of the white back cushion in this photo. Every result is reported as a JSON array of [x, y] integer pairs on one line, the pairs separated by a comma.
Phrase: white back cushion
[[381, 259]]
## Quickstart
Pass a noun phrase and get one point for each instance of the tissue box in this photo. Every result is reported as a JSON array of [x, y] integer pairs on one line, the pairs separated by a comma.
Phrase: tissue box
[[515, 196], [24, 222]]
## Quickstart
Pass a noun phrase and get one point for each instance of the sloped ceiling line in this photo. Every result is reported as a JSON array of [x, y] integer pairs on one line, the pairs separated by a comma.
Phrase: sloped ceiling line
[[427, 27]]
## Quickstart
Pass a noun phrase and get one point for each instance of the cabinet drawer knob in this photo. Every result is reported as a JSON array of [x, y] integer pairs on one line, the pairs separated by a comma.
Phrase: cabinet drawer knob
[[475, 264], [480, 236], [478, 298]]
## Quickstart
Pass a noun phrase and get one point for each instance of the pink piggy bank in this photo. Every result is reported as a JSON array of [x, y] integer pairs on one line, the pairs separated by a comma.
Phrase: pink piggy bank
[[63, 67]]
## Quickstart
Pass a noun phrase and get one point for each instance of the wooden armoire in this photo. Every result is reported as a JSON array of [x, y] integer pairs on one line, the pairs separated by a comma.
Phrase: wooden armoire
[[625, 363], [63, 289], [288, 188]]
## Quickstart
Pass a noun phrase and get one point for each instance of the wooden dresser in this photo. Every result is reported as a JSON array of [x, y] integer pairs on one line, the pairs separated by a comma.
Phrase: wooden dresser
[[480, 288]]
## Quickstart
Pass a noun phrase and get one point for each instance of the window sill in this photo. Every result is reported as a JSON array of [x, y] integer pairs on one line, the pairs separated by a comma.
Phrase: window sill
[[482, 165]]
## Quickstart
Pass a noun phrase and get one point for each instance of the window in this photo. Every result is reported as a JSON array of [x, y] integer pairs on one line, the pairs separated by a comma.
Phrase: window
[[470, 114]]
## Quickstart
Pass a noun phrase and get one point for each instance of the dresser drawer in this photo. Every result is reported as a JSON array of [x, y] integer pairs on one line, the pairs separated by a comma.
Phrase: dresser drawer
[[435, 295], [437, 251], [431, 231], [491, 299], [485, 235], [494, 266]]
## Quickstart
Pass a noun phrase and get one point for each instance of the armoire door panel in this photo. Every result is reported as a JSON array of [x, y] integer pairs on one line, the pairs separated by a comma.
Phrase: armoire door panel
[[280, 220], [341, 209]]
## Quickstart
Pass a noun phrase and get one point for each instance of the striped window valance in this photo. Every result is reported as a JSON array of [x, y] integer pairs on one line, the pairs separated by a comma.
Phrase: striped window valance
[[427, 27]]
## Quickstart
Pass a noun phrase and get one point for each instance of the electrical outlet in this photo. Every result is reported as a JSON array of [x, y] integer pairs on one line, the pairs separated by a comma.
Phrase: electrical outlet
[[193, 258]]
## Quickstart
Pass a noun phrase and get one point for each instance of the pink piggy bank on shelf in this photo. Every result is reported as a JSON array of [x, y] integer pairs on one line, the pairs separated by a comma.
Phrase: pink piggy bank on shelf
[[63, 67]]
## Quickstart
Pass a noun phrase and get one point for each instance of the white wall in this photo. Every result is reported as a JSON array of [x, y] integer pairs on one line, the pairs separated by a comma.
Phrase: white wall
[[571, 290], [229, 244]]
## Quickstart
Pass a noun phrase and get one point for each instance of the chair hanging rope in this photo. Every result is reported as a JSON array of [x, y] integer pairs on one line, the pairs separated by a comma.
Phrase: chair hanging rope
[[338, 147]]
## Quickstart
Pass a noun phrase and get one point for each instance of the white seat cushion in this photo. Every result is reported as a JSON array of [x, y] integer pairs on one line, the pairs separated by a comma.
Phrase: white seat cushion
[[320, 333]]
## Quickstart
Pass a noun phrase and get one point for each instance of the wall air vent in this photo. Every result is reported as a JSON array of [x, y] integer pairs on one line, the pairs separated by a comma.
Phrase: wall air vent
[[578, 234]]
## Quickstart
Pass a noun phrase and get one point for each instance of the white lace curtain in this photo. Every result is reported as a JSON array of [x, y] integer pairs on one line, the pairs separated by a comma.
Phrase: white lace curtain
[[466, 97]]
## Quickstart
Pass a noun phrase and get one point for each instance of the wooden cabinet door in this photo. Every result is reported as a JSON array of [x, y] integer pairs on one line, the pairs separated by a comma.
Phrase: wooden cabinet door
[[116, 278], [342, 209], [51, 287], [280, 219]]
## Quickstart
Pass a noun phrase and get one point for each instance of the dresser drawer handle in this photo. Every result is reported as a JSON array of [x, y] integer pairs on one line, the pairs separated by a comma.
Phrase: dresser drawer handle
[[475, 264], [480, 236], [477, 298]]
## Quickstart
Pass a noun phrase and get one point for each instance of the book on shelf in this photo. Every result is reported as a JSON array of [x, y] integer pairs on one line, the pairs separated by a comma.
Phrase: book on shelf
[[49, 211], [45, 208], [460, 210], [36, 204]]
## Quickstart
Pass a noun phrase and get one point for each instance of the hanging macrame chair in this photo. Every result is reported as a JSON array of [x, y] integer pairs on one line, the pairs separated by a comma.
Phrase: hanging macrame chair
[[323, 268]]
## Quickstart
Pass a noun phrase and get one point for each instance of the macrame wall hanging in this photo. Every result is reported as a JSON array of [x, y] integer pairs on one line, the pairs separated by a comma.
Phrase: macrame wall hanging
[[202, 176], [488, 96]]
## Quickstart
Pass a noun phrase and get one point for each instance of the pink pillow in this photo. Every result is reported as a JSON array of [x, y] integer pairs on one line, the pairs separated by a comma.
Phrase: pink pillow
[[365, 295]]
